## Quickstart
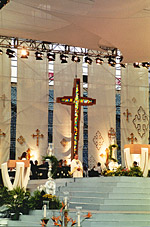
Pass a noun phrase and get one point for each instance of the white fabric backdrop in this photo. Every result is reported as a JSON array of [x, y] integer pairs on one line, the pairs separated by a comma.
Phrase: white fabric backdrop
[[5, 106], [102, 116], [135, 98], [32, 105], [64, 75]]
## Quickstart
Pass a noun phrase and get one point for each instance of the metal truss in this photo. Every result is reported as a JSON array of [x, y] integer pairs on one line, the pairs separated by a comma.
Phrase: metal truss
[[43, 46]]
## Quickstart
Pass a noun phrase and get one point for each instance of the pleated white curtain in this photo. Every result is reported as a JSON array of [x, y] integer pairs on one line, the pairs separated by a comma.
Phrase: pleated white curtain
[[135, 102], [102, 116], [32, 106], [5, 107], [64, 75]]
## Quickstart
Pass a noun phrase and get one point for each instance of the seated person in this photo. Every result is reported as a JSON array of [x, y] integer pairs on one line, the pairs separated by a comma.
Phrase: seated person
[[98, 168], [23, 156], [135, 164]]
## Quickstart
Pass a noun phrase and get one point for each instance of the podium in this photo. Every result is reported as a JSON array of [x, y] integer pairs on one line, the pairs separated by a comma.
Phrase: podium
[[139, 153], [21, 176]]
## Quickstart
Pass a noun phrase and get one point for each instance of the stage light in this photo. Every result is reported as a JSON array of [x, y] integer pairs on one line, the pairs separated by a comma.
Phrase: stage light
[[63, 58], [51, 56], [136, 65], [75, 58], [88, 60], [39, 55], [10, 53], [146, 64], [99, 61], [111, 62], [1, 52], [24, 53]]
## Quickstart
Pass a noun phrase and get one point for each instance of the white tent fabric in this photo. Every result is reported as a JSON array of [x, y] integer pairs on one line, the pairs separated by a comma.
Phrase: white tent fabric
[[135, 99], [64, 75], [85, 23], [5, 107], [101, 117], [32, 106]]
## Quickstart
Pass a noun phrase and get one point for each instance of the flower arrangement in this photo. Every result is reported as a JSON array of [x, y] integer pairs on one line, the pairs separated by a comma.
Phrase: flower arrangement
[[120, 171]]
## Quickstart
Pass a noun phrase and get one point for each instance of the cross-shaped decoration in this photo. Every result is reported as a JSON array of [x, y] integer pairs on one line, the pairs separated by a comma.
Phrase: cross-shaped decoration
[[111, 133], [2, 133], [38, 136], [76, 102], [3, 99], [21, 140], [132, 138], [127, 114]]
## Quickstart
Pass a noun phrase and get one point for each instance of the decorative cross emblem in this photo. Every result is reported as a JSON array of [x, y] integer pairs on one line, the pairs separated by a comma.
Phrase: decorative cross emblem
[[76, 102], [132, 138], [3, 99], [98, 140], [111, 133], [127, 114], [21, 140], [38, 136]]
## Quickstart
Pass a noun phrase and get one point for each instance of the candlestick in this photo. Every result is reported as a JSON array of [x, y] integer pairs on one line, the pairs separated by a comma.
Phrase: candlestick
[[44, 211], [65, 202]]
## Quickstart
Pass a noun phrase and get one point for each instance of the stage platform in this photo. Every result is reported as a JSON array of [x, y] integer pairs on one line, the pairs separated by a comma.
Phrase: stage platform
[[113, 201]]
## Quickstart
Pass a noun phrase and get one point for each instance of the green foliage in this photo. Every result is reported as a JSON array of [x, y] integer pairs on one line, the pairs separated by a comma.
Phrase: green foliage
[[111, 150], [36, 200], [120, 171], [54, 162], [54, 202], [4, 195]]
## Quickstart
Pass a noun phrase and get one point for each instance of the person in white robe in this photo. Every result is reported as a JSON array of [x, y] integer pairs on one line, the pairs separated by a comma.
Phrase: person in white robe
[[76, 167]]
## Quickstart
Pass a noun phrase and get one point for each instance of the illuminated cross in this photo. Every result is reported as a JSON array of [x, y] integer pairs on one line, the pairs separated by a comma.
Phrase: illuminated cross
[[76, 102], [132, 138], [38, 136], [127, 114]]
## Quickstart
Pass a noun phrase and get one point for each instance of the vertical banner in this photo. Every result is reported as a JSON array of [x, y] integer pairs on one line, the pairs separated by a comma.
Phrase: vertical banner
[[102, 116], [5, 107], [64, 75], [32, 107], [134, 106]]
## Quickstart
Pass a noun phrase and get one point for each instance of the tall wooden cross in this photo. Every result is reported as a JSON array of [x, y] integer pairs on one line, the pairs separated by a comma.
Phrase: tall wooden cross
[[38, 136], [76, 102]]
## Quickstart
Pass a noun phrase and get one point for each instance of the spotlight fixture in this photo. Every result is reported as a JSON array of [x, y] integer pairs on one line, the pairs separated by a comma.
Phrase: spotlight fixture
[[10, 53], [51, 56], [88, 60], [75, 58], [146, 64], [1, 52], [39, 55], [136, 65], [24, 53], [99, 61], [63, 58], [111, 62]]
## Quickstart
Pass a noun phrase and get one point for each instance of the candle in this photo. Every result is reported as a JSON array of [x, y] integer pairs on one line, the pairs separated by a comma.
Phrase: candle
[[44, 211], [78, 219], [65, 202]]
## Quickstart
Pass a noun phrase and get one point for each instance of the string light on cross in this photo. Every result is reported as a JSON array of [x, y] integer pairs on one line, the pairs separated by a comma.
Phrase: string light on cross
[[127, 114], [76, 102], [38, 136], [132, 138]]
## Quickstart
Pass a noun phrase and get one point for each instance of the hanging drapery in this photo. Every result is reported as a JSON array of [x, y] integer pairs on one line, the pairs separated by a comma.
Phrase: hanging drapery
[[5, 107], [134, 106], [101, 117], [64, 75], [32, 107]]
